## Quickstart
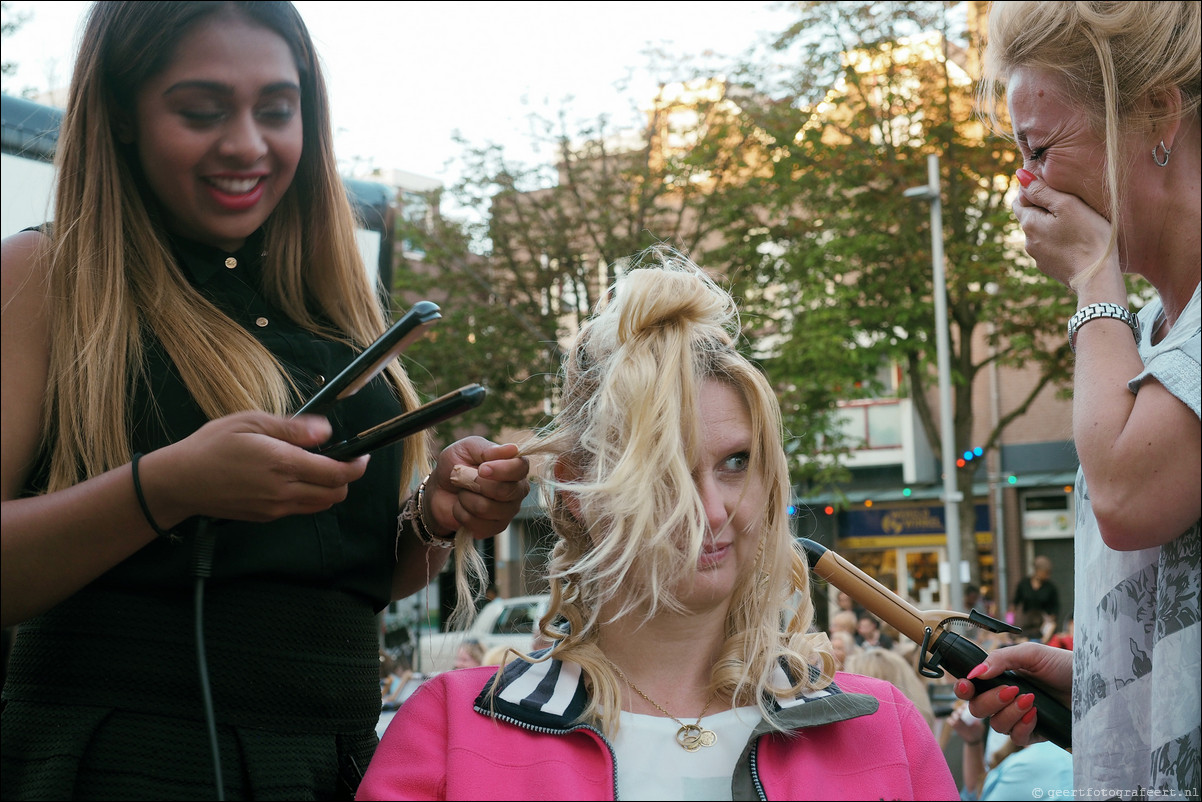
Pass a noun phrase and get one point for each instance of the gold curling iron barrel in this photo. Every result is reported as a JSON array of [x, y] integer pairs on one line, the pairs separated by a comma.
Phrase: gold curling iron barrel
[[946, 649]]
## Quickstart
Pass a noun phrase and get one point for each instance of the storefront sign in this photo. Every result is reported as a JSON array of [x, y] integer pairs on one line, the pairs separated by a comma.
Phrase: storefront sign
[[903, 525]]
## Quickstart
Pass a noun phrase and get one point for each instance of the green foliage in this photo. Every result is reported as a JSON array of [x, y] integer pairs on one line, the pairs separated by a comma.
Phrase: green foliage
[[789, 182], [853, 253]]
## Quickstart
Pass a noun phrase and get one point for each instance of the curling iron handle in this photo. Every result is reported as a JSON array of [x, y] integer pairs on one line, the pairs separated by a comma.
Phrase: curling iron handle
[[959, 656]]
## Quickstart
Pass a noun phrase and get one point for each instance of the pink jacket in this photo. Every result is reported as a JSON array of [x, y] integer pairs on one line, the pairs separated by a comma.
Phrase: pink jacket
[[859, 739]]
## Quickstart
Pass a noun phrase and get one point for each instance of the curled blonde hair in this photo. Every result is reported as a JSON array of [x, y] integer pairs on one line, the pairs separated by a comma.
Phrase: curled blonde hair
[[628, 435], [1111, 55]]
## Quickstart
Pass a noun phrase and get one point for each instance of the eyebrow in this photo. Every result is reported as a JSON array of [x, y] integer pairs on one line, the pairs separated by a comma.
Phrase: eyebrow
[[225, 89]]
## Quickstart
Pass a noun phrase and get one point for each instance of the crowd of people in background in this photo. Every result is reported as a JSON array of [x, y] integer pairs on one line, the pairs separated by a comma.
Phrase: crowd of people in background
[[987, 764], [207, 130]]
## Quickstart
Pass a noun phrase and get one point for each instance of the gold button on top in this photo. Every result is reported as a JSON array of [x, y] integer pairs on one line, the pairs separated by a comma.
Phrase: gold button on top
[[231, 262], [261, 322]]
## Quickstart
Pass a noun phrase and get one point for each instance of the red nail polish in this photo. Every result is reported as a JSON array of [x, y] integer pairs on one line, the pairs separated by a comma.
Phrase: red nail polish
[[1029, 717], [1025, 701], [1008, 693], [1025, 177], [977, 671]]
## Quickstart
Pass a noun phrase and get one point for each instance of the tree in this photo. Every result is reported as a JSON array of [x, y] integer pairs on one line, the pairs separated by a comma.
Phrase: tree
[[789, 179], [516, 281], [836, 257]]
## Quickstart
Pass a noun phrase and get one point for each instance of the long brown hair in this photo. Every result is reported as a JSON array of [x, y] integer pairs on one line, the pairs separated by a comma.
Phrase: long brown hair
[[112, 276]]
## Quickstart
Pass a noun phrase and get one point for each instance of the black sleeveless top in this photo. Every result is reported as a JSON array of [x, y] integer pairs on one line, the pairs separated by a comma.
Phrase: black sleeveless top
[[102, 696], [349, 547]]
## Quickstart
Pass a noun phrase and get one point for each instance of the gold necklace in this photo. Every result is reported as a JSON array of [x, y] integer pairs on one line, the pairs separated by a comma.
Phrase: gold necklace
[[691, 737]]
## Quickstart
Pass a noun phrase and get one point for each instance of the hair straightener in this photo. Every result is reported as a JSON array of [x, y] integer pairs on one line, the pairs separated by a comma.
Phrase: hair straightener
[[365, 367], [941, 648], [374, 358]]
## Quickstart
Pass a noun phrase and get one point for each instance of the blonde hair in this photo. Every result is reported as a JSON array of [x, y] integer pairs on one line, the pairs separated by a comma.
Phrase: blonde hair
[[844, 621], [896, 670], [633, 374], [112, 275], [475, 650], [498, 655], [848, 641], [1111, 55]]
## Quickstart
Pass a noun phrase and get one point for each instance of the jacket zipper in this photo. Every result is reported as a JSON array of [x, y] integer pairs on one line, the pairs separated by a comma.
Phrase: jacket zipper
[[548, 731], [753, 764]]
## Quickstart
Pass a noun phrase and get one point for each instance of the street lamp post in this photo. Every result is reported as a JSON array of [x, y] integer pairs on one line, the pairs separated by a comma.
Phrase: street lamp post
[[951, 493]]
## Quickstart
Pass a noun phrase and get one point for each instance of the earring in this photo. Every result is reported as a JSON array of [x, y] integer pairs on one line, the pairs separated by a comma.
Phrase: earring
[[1156, 154]]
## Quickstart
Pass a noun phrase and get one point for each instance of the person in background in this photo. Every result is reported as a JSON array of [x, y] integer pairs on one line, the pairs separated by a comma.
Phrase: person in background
[[497, 656], [868, 632], [845, 621], [1036, 602], [1064, 638], [996, 769], [846, 603], [890, 666], [1104, 104], [673, 567], [396, 676], [470, 654], [972, 598], [200, 281], [843, 646]]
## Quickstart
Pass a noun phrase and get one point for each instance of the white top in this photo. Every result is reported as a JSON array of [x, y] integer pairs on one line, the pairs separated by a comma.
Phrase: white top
[[651, 765], [1136, 655]]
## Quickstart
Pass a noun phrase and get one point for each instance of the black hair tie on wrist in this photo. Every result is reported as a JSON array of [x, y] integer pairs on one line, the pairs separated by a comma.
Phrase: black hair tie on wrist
[[142, 500]]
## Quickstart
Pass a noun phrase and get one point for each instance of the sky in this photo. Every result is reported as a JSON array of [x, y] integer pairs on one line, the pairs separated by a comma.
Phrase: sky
[[405, 76]]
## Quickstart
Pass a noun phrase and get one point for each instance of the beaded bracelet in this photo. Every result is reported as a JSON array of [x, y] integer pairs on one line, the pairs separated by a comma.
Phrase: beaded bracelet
[[142, 500], [414, 512]]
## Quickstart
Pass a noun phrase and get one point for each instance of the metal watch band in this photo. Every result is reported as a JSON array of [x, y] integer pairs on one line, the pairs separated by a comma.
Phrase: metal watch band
[[1100, 310]]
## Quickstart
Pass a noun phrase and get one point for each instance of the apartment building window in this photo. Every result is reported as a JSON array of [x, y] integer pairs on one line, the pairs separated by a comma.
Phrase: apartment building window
[[871, 424]]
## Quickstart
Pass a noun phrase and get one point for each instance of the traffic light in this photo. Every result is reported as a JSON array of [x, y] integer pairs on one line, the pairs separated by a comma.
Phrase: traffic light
[[969, 456]]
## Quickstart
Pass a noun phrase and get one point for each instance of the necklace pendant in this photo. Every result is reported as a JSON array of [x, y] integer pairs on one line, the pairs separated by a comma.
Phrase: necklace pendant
[[692, 737]]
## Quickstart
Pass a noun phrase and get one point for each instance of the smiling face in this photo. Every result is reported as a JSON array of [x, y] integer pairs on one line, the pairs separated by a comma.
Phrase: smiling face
[[219, 131]]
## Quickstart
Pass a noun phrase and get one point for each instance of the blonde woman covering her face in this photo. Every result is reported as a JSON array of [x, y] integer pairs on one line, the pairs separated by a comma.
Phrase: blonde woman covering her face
[[671, 676], [1103, 102]]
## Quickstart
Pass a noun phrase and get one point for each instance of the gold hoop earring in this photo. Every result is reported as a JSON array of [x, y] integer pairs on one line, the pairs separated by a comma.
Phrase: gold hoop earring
[[1156, 154]]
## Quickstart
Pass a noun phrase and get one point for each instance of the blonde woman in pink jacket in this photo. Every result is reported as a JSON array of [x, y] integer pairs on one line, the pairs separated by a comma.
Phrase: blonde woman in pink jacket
[[672, 674]]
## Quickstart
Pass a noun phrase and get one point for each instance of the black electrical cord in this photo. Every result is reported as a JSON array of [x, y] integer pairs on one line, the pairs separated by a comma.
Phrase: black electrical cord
[[202, 567]]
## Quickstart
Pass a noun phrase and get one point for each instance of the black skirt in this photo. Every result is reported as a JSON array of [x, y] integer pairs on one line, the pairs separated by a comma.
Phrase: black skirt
[[103, 697]]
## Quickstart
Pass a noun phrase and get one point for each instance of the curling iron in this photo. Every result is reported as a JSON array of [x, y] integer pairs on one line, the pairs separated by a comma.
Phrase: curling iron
[[941, 648]]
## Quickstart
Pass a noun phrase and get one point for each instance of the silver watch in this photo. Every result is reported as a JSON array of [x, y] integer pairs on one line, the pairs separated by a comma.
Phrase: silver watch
[[1095, 311]]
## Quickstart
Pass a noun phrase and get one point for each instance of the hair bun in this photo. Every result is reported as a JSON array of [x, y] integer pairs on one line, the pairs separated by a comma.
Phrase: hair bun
[[672, 293]]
